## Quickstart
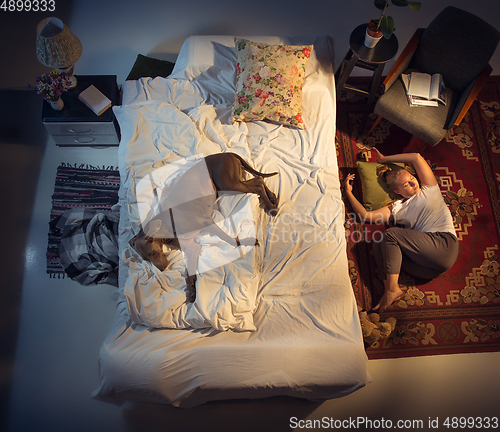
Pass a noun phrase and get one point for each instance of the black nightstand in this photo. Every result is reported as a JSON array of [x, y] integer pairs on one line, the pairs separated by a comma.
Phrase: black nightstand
[[76, 125], [372, 59]]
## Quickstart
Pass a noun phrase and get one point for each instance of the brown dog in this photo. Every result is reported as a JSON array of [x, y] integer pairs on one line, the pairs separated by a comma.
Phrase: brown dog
[[178, 227]]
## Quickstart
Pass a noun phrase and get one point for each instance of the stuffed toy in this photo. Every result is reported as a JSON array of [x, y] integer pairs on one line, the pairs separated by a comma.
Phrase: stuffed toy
[[373, 330]]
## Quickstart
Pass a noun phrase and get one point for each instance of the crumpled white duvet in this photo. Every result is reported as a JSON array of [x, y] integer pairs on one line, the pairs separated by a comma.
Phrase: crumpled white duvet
[[167, 120], [228, 277]]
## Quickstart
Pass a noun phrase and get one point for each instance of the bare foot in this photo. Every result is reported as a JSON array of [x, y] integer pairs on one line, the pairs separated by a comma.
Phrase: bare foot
[[389, 297]]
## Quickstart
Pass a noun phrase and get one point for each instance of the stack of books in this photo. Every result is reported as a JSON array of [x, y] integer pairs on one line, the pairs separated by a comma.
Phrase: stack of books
[[423, 89]]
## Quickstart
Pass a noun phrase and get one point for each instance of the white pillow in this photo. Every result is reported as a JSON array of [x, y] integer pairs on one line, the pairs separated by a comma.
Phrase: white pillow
[[200, 53]]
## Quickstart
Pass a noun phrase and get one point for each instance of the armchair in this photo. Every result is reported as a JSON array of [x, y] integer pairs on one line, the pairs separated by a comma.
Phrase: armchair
[[456, 44]]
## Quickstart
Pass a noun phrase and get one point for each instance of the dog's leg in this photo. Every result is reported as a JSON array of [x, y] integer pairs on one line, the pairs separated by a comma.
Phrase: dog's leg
[[191, 251], [234, 242], [272, 197], [191, 289], [226, 173], [247, 167], [257, 186]]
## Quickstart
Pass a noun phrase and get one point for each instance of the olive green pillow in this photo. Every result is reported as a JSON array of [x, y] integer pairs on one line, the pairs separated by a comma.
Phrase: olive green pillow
[[150, 67], [376, 194]]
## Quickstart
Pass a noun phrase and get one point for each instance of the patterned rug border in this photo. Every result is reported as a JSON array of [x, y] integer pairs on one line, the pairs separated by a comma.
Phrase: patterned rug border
[[78, 185]]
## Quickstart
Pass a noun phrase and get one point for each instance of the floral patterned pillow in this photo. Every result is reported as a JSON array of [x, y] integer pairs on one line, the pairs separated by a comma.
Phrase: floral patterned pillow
[[269, 82]]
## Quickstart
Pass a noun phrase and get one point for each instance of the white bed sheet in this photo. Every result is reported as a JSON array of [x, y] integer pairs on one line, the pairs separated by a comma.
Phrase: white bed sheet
[[304, 336]]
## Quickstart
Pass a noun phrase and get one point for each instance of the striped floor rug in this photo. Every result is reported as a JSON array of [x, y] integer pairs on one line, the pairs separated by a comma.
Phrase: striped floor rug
[[78, 186]]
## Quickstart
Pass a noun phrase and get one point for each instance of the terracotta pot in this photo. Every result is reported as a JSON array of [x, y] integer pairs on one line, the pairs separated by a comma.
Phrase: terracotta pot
[[372, 37]]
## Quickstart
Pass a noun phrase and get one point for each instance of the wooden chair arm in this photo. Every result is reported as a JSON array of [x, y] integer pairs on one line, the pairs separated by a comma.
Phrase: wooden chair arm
[[404, 59], [478, 85]]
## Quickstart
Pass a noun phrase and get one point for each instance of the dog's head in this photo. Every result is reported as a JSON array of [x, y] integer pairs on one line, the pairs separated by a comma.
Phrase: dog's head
[[151, 249]]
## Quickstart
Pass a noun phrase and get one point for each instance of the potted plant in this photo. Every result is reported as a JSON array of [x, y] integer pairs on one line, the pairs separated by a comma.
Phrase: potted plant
[[51, 85], [384, 26]]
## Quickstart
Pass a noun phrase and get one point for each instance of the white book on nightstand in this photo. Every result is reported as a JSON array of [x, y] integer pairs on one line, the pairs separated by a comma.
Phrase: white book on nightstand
[[95, 100]]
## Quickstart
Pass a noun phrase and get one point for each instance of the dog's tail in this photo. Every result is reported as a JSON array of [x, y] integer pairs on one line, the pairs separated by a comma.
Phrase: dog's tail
[[248, 168]]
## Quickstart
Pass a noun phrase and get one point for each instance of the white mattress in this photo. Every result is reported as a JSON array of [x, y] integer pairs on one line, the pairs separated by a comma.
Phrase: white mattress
[[277, 319]]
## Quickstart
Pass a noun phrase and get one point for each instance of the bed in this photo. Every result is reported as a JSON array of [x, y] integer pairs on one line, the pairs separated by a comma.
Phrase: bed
[[276, 319]]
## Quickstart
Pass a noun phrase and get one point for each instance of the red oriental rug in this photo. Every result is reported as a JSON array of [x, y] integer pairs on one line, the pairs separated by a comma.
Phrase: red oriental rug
[[459, 312]]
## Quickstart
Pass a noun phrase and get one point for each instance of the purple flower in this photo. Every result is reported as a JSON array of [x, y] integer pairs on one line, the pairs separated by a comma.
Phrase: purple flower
[[52, 84], [279, 79]]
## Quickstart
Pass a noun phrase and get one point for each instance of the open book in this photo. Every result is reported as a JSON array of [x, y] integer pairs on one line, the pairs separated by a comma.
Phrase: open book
[[423, 89]]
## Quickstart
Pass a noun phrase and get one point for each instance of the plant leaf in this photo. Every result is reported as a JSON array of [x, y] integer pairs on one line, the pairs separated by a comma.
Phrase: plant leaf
[[387, 26], [400, 2], [380, 4], [415, 5]]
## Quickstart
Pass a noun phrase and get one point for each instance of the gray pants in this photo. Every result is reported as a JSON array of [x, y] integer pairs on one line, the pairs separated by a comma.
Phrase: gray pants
[[420, 254]]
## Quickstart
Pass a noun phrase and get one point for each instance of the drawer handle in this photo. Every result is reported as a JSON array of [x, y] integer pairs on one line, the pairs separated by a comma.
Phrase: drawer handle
[[84, 140], [82, 132]]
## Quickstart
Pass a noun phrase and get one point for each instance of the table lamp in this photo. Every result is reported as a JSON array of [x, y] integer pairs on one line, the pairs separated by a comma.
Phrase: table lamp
[[57, 47]]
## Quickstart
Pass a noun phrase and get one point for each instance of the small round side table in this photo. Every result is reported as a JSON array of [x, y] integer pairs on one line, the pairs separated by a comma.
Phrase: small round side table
[[372, 59]]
